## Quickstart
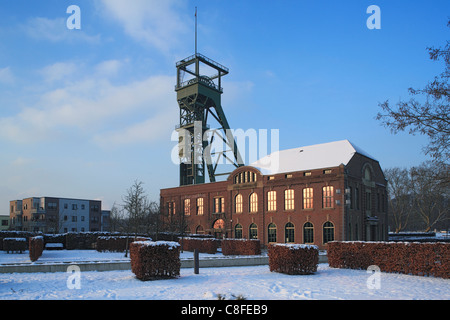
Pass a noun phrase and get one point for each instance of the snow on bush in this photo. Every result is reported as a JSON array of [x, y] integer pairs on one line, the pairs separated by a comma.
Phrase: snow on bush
[[155, 260], [293, 258]]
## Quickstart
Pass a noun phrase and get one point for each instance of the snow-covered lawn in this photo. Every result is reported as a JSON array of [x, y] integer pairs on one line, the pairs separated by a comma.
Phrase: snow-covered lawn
[[252, 282], [50, 256]]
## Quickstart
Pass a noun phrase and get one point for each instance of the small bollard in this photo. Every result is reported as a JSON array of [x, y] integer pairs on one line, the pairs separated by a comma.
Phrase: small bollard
[[196, 262]]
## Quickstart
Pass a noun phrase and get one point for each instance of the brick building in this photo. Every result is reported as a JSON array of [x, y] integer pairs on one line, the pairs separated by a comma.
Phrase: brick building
[[313, 194], [50, 214]]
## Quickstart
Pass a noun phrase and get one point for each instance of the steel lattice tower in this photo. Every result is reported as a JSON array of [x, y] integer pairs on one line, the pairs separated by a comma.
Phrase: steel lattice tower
[[198, 97]]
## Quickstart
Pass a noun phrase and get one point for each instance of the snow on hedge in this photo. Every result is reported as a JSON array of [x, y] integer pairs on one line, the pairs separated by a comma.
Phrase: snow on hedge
[[170, 244], [295, 246]]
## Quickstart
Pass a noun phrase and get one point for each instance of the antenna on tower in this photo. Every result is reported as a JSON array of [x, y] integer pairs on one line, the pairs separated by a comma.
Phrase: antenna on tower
[[195, 30]]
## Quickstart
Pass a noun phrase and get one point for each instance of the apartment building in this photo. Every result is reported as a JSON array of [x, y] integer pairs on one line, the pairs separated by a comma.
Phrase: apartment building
[[56, 215]]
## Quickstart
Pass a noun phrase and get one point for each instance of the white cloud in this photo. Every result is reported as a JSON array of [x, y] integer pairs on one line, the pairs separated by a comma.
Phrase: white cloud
[[109, 67], [161, 24], [6, 76], [88, 106], [58, 71], [21, 161], [150, 130], [55, 30]]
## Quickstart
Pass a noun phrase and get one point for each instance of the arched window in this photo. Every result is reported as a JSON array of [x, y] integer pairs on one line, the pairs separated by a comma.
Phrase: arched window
[[245, 177], [328, 232], [253, 203], [289, 232], [199, 230], [219, 224], [253, 231], [238, 231], [272, 233], [308, 233], [367, 174], [238, 203]]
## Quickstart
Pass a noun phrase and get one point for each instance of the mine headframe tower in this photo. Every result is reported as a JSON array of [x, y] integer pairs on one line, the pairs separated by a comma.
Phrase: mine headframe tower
[[198, 97]]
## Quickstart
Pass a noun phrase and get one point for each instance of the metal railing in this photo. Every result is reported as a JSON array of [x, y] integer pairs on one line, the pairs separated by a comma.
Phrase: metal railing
[[203, 80], [210, 61]]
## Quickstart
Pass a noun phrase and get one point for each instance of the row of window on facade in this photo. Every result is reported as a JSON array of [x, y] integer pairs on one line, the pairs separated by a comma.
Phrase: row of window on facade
[[272, 231], [53, 206], [289, 201]]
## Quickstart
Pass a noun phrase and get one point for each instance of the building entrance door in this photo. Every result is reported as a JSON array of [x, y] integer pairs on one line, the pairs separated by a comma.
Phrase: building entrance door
[[218, 228]]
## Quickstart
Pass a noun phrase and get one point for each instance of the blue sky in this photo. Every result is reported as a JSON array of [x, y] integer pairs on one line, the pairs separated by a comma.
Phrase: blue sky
[[84, 113]]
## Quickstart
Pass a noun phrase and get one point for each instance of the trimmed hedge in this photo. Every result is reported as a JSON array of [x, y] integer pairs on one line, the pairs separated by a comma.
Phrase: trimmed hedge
[[293, 258], [203, 245], [36, 246], [155, 260], [241, 247], [15, 234], [423, 259], [83, 240], [59, 239], [15, 244], [116, 243]]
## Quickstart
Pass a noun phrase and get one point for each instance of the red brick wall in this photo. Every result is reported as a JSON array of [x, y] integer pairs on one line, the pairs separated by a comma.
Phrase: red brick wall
[[318, 215]]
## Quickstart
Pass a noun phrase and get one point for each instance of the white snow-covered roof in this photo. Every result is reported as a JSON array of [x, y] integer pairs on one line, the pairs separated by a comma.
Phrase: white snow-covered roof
[[326, 155]]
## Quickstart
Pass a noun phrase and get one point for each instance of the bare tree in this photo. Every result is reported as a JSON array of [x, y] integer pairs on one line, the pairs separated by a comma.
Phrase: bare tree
[[400, 197], [137, 206], [116, 218], [431, 116], [431, 195]]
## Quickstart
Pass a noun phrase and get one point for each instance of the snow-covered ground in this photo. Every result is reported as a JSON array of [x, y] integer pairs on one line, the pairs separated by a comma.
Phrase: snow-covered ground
[[252, 282], [50, 256]]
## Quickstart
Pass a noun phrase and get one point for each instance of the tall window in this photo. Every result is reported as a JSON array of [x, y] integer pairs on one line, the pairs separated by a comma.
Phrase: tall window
[[308, 198], [200, 206], [187, 207], [350, 197], [253, 202], [368, 201], [328, 232], [171, 208], [272, 201], [327, 197], [357, 198], [238, 203], [289, 199], [238, 231], [289, 232], [219, 204], [253, 231], [308, 233], [272, 233]]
